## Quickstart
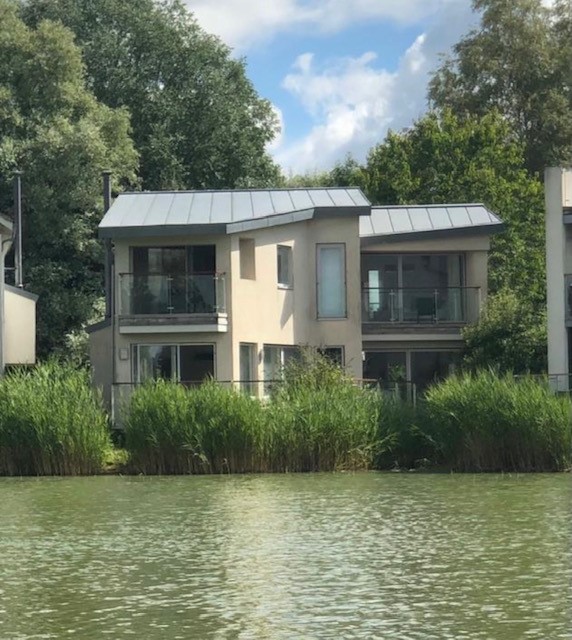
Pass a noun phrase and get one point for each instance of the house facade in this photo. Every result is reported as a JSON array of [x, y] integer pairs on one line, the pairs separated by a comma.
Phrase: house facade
[[558, 196], [230, 284], [17, 313]]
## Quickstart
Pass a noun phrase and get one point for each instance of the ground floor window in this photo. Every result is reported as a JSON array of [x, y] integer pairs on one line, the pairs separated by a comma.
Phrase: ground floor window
[[187, 363], [247, 362], [276, 358], [420, 367], [335, 354]]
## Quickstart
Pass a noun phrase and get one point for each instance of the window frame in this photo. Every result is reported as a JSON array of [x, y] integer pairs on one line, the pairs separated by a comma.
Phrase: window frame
[[288, 251], [325, 245], [136, 358]]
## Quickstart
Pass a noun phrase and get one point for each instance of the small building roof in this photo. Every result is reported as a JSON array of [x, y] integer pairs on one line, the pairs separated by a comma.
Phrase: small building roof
[[193, 212], [5, 225], [394, 224]]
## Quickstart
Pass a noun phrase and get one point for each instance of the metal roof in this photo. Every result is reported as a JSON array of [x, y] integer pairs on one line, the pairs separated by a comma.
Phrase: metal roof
[[391, 224], [185, 212]]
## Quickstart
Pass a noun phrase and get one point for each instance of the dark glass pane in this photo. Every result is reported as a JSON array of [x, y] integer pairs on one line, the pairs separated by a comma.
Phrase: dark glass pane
[[430, 366], [196, 362], [385, 366], [202, 258]]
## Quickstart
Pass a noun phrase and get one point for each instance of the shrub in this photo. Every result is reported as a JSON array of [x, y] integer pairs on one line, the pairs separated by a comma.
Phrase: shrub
[[51, 422]]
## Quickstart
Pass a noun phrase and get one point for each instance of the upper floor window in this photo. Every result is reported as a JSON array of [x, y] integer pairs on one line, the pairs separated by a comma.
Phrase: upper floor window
[[285, 267], [331, 280], [246, 249]]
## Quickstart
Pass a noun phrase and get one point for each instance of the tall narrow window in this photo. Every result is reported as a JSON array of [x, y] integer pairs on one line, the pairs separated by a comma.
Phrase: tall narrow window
[[331, 280], [246, 250], [247, 367], [285, 278]]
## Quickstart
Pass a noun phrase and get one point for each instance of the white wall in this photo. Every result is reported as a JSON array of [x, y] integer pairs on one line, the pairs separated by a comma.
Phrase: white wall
[[19, 327]]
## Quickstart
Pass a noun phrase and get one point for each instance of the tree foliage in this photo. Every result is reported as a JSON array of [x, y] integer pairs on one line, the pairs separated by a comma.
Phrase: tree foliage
[[53, 129], [511, 335], [197, 119], [518, 61], [444, 158]]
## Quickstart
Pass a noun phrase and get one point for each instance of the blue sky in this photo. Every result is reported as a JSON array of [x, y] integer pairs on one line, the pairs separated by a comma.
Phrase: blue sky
[[339, 73]]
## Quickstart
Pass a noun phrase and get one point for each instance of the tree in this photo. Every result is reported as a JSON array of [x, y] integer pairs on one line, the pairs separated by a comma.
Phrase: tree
[[518, 62], [510, 334], [197, 119], [53, 129], [347, 173], [444, 158]]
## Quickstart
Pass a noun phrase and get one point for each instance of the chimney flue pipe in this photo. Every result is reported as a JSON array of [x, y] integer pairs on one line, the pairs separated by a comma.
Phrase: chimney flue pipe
[[108, 251], [18, 264]]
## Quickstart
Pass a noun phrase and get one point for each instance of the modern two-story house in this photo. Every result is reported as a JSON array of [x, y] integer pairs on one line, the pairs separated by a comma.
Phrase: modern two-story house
[[230, 284], [558, 196]]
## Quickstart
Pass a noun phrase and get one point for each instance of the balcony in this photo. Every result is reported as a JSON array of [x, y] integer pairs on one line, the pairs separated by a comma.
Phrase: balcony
[[423, 306], [172, 304]]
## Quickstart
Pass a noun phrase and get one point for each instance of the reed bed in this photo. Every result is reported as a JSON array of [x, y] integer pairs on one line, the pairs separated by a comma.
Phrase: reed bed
[[317, 420], [487, 422], [51, 423]]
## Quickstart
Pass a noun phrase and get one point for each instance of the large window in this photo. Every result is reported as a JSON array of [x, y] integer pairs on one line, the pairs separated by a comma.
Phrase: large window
[[415, 288], [284, 267], [331, 280], [183, 363], [171, 280], [421, 368], [275, 359]]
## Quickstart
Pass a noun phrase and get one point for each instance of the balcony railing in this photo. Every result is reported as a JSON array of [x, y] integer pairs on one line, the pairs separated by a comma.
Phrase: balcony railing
[[419, 306], [163, 294]]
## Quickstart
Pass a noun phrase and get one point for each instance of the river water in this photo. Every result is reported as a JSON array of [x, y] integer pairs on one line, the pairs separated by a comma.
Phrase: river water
[[391, 556]]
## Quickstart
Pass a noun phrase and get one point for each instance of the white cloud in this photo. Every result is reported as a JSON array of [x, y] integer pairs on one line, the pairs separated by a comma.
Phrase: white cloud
[[243, 27], [353, 101]]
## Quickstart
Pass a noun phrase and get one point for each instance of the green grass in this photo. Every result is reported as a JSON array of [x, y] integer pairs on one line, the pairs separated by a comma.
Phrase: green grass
[[51, 423]]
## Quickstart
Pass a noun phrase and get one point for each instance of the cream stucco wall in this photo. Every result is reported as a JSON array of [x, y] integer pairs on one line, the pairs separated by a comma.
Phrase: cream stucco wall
[[558, 194], [259, 311], [19, 327], [264, 313]]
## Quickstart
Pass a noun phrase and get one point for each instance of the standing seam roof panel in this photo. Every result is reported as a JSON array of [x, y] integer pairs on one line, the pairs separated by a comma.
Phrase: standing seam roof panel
[[179, 211], [200, 209], [341, 198], [301, 200], [400, 221], [321, 198], [479, 215], [221, 207], [282, 201], [161, 214], [459, 216], [241, 206], [261, 204], [138, 215], [420, 220]]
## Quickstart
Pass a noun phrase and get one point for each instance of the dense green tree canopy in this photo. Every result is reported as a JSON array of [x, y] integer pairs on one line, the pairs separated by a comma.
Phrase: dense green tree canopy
[[197, 119], [53, 129], [443, 158], [519, 62]]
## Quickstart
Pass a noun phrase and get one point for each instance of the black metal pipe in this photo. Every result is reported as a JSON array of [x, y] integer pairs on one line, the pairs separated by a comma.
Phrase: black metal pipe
[[18, 231], [108, 249]]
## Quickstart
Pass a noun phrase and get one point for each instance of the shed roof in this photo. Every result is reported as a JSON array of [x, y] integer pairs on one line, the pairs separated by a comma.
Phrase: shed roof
[[5, 225], [393, 224], [185, 212]]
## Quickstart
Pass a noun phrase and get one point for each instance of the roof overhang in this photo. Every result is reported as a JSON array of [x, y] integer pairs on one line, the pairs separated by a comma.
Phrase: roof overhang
[[21, 292], [434, 234], [274, 220]]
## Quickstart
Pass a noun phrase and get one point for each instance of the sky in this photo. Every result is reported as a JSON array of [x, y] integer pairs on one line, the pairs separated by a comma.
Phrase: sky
[[339, 73]]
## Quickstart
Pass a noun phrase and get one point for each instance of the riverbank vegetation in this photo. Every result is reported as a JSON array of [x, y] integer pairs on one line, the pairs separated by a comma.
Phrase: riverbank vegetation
[[51, 423], [317, 419]]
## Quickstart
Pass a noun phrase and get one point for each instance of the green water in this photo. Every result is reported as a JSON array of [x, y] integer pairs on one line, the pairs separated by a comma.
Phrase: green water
[[394, 556]]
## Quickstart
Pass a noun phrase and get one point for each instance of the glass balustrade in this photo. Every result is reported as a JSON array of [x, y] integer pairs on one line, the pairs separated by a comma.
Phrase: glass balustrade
[[423, 305], [153, 294]]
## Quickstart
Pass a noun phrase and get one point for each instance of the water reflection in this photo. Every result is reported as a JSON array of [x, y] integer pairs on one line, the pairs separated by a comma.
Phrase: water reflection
[[302, 556]]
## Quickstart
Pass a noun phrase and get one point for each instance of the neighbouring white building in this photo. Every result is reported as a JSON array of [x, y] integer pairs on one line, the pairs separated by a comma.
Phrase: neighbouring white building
[[558, 190]]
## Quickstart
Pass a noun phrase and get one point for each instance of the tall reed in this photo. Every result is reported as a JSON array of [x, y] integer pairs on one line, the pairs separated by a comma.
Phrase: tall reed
[[487, 422], [51, 422], [320, 419], [207, 429]]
